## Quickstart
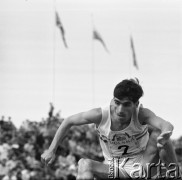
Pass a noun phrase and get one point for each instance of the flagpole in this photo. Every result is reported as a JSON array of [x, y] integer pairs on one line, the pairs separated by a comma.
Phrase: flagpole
[[54, 57], [131, 60], [93, 64], [131, 57]]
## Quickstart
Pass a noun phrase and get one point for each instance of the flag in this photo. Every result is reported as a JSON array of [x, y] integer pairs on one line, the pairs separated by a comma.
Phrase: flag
[[133, 53], [60, 26], [98, 37]]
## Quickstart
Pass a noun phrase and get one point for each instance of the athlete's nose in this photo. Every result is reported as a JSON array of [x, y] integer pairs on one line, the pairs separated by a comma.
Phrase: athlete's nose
[[120, 109]]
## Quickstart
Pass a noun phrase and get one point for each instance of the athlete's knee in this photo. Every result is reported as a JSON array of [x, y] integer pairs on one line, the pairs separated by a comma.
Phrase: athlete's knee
[[84, 165], [153, 136]]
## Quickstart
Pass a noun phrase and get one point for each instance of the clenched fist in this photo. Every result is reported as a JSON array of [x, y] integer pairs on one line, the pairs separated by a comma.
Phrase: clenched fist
[[48, 157]]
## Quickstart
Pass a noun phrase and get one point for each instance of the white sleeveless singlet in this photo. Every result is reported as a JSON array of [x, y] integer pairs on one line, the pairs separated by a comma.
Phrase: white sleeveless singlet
[[125, 143]]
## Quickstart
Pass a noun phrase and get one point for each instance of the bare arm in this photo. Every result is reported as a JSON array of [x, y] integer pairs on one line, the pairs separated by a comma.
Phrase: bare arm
[[166, 128], [88, 117], [148, 117]]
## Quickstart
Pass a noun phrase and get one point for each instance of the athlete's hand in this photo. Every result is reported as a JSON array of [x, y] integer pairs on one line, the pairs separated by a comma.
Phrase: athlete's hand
[[163, 139], [48, 157]]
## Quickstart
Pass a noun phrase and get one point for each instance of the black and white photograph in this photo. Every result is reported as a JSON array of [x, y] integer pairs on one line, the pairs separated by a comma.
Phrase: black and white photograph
[[90, 89]]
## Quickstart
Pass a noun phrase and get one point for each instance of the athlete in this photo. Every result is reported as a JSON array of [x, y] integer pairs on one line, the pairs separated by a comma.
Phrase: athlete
[[123, 128]]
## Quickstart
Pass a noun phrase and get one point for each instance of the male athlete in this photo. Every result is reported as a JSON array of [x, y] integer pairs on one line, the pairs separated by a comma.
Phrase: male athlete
[[123, 127]]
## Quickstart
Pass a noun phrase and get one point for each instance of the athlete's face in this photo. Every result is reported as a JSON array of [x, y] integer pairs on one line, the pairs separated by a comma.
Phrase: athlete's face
[[122, 109]]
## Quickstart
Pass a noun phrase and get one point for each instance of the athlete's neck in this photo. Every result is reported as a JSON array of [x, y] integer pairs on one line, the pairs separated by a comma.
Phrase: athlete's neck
[[117, 125]]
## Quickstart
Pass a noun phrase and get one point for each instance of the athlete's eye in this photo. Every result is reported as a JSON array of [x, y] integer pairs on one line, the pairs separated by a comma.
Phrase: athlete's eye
[[116, 102]]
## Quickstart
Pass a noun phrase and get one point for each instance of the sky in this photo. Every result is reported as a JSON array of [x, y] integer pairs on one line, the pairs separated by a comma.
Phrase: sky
[[36, 68]]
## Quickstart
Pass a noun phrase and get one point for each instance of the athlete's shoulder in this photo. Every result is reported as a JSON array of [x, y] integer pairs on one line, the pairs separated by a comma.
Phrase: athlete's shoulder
[[145, 113], [141, 114]]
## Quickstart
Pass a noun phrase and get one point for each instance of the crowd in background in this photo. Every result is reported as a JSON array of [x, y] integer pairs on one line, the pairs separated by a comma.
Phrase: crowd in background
[[20, 149]]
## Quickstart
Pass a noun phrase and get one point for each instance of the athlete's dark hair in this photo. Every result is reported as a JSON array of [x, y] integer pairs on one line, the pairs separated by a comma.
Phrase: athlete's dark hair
[[128, 88]]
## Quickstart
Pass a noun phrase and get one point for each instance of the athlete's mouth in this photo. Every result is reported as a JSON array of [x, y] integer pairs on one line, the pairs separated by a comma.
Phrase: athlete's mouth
[[121, 115]]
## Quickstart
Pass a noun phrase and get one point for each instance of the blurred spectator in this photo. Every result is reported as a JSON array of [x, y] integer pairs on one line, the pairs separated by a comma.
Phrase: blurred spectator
[[51, 111], [3, 168], [4, 148]]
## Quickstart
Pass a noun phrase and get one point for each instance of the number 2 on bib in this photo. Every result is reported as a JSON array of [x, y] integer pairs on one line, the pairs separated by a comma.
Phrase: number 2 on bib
[[125, 149]]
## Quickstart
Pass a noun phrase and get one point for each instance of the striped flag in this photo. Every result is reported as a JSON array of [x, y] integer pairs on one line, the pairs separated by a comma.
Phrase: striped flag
[[133, 53], [98, 37], [60, 26]]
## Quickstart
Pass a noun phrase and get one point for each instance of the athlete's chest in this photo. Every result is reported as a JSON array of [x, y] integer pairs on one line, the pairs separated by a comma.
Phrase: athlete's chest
[[122, 143], [116, 139], [119, 126]]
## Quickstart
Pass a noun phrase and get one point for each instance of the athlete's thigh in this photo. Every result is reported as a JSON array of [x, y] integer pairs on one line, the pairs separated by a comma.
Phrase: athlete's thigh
[[100, 170], [151, 153], [113, 169]]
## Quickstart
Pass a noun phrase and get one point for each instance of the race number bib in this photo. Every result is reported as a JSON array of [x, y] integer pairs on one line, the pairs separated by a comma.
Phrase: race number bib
[[122, 144]]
